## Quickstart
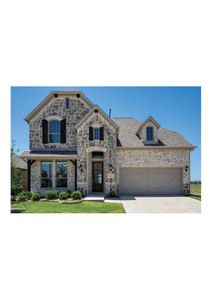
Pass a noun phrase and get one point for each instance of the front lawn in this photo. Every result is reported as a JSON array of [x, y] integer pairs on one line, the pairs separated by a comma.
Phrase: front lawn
[[83, 207], [195, 188], [197, 197], [195, 191]]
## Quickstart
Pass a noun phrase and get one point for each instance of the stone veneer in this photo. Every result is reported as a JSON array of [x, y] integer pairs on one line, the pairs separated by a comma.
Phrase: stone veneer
[[36, 177], [156, 158], [85, 147], [142, 133], [56, 109]]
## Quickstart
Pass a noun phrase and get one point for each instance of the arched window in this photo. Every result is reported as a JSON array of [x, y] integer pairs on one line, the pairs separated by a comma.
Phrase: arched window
[[149, 133], [54, 131]]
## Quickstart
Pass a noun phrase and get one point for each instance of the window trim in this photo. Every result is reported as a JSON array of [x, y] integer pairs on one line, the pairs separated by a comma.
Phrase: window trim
[[49, 178], [55, 133], [56, 177], [151, 133], [99, 134]]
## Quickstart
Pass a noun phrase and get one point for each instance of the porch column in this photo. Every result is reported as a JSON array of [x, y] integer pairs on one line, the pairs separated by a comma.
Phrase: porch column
[[54, 172], [29, 175]]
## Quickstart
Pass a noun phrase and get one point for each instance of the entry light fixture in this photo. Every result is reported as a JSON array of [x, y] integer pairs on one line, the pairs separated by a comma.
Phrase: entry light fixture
[[186, 168]]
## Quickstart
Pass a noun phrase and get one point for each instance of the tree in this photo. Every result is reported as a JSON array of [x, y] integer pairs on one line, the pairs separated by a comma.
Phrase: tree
[[16, 179]]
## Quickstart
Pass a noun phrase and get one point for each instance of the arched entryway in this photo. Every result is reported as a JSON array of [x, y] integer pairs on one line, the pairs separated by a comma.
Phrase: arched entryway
[[96, 170]]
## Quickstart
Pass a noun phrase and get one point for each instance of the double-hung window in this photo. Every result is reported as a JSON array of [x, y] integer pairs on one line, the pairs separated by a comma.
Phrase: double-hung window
[[46, 174], [54, 131], [62, 174], [96, 133]]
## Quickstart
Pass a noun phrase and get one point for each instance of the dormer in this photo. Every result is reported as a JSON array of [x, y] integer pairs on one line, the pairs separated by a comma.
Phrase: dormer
[[148, 131]]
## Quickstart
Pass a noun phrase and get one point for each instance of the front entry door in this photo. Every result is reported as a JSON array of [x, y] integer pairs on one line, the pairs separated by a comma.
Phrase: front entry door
[[97, 176]]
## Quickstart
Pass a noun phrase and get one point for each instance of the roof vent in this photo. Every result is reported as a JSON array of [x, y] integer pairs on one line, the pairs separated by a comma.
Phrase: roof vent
[[78, 95], [96, 110]]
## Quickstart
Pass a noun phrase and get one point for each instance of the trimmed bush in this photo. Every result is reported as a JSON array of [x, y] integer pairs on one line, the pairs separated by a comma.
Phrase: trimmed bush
[[64, 196], [76, 195], [35, 196], [51, 195], [21, 197], [28, 194], [58, 194], [69, 192], [111, 194]]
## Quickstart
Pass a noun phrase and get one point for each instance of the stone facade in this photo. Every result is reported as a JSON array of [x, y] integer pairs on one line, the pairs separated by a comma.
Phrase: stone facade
[[107, 146], [56, 109], [156, 158]]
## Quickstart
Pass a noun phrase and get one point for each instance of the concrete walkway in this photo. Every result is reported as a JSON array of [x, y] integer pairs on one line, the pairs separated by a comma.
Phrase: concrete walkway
[[161, 204]]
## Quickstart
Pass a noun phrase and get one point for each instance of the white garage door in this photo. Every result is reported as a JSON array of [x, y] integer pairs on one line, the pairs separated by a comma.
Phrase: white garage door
[[150, 181]]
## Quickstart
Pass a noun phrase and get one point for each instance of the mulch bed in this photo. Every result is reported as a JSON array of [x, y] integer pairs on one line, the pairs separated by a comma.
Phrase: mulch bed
[[17, 210]]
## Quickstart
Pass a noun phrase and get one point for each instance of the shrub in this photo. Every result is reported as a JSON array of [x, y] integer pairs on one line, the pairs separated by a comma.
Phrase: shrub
[[21, 197], [28, 194], [35, 196], [58, 194], [111, 194], [76, 195], [69, 192], [51, 195], [64, 195]]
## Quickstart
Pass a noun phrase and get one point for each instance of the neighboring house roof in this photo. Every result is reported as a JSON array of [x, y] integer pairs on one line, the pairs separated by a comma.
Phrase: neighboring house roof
[[19, 162], [96, 107], [128, 128], [51, 95]]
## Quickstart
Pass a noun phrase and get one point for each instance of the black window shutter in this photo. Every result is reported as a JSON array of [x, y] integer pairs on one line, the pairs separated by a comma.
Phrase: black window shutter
[[45, 131], [101, 133], [91, 133], [63, 131]]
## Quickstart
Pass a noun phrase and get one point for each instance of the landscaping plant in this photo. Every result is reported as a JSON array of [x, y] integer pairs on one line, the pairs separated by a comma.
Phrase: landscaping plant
[[35, 196], [64, 196], [76, 195], [16, 180], [51, 195], [21, 198]]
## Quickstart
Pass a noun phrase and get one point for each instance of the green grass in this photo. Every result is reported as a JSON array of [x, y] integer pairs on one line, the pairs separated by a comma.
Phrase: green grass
[[195, 188], [195, 191], [195, 197], [83, 207]]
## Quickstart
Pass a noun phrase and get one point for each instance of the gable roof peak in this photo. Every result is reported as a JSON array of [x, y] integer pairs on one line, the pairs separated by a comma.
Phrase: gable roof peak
[[149, 119], [55, 94], [96, 108]]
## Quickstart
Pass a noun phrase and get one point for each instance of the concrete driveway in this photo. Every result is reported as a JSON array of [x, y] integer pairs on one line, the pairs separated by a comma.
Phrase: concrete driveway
[[173, 204]]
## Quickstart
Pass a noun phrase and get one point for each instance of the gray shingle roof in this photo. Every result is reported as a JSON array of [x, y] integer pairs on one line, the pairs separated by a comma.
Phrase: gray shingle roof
[[19, 162], [128, 138]]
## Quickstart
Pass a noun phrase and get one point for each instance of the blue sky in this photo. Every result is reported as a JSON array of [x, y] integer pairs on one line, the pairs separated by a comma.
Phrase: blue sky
[[175, 108]]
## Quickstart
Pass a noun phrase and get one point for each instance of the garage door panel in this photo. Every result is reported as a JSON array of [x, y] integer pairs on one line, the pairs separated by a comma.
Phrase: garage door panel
[[150, 181]]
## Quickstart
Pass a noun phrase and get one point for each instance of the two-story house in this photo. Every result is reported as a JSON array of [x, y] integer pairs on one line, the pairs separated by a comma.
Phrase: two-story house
[[75, 145]]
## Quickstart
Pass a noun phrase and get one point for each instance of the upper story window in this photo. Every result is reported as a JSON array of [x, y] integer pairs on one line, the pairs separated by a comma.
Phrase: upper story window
[[54, 131], [96, 133], [149, 133], [67, 103]]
